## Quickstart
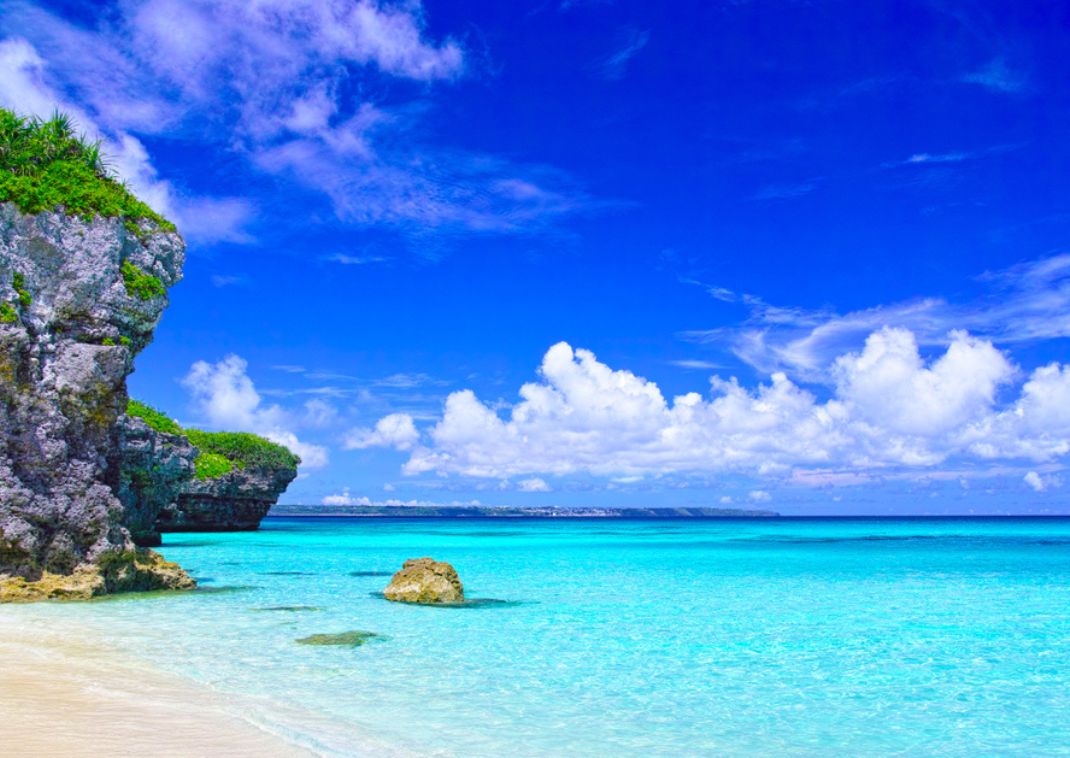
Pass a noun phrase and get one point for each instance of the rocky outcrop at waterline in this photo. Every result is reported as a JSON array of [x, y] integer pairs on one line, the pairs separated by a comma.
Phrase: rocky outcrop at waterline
[[132, 571], [234, 502], [188, 480], [154, 467], [78, 300], [425, 581], [84, 272]]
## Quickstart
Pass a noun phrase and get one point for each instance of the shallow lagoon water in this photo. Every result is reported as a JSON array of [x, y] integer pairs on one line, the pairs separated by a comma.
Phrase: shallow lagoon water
[[629, 638]]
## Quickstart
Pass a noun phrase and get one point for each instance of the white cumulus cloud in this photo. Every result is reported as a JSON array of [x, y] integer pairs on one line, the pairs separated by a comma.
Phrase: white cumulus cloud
[[889, 410], [225, 396], [534, 484], [396, 430]]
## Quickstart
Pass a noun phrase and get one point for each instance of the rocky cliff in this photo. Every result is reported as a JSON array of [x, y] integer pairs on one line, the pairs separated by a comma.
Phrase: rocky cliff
[[64, 359], [84, 271], [233, 502], [225, 482], [154, 467]]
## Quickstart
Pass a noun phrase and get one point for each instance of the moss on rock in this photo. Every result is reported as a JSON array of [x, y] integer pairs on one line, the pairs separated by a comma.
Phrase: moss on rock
[[425, 581]]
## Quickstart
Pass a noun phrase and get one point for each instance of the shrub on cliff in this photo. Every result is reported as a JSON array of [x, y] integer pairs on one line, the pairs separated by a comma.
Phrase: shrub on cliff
[[219, 452], [211, 465], [244, 450], [161, 422], [45, 165]]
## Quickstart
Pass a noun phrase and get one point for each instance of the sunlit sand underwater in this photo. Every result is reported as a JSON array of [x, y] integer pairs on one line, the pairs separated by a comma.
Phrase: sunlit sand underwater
[[600, 637]]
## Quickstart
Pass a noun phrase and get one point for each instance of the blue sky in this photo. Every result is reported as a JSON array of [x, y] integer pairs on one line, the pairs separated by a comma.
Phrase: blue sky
[[805, 256]]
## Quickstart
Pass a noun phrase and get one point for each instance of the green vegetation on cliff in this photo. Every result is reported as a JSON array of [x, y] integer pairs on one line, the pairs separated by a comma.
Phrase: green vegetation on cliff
[[45, 165], [139, 284], [211, 465], [159, 421], [9, 311], [219, 452], [18, 282], [244, 450]]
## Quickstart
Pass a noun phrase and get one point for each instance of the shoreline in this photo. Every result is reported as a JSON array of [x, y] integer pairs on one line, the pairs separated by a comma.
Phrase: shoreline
[[67, 694], [284, 513]]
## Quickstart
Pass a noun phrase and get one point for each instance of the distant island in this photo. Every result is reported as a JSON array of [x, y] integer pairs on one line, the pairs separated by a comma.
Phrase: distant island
[[481, 511]]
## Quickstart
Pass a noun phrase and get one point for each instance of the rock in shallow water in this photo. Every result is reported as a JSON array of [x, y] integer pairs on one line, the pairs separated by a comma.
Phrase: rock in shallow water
[[130, 571], [347, 639], [425, 581]]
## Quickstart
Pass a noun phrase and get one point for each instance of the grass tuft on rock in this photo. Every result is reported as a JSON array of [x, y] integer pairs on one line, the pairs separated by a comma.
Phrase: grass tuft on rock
[[139, 284], [157, 420], [45, 166], [9, 311]]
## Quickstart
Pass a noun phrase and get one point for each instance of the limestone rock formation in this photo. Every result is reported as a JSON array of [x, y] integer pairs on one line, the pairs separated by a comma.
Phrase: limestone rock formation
[[132, 571], [72, 318], [233, 502], [154, 469], [425, 581], [188, 480]]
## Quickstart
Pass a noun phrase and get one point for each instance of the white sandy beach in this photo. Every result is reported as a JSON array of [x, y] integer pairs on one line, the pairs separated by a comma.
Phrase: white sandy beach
[[62, 696]]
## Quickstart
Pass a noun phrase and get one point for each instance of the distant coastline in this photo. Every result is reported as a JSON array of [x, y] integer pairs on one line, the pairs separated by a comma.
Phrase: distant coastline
[[471, 511]]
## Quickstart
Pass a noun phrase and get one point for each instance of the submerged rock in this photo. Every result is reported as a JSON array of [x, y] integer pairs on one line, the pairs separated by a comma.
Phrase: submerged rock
[[426, 581], [348, 639], [78, 300]]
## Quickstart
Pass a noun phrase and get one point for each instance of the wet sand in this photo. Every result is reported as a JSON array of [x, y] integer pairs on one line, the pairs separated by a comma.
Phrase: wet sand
[[65, 696]]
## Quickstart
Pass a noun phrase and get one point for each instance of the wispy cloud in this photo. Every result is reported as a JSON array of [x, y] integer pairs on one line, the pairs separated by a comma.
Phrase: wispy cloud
[[407, 381], [997, 75], [227, 280], [696, 364], [615, 65], [1027, 302], [356, 260], [268, 79], [422, 189], [924, 159], [785, 191], [917, 158]]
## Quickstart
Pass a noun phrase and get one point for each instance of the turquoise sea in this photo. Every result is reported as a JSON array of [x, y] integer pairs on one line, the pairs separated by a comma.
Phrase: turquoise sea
[[629, 638]]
